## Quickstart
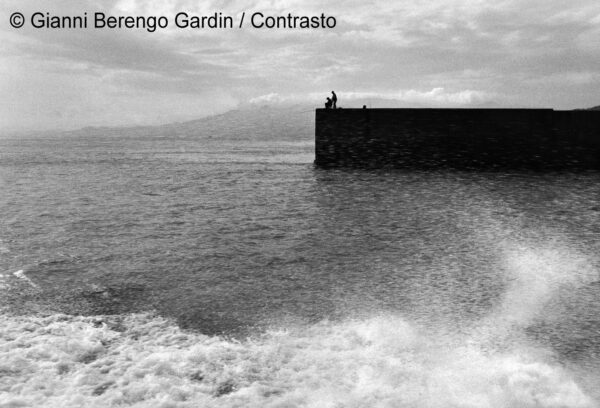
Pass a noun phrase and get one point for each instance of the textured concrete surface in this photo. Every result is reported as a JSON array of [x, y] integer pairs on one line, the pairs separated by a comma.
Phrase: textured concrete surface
[[458, 138]]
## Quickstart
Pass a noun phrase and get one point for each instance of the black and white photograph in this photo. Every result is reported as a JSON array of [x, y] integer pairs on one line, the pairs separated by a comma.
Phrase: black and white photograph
[[299, 204]]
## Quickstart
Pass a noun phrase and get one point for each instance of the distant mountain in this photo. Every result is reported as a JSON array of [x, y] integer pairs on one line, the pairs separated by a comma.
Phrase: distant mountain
[[291, 122], [595, 108], [265, 122]]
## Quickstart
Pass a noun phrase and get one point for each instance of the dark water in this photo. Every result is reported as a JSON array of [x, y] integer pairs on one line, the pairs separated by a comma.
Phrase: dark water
[[203, 272]]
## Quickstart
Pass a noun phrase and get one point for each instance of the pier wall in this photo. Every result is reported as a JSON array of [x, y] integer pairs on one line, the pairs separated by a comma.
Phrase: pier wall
[[458, 138]]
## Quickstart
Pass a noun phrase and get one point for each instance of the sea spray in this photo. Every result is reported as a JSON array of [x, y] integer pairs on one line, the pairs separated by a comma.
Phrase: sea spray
[[537, 272]]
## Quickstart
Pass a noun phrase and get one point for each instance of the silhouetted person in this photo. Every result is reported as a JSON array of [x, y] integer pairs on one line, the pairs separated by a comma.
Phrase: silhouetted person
[[364, 106], [334, 99], [328, 103]]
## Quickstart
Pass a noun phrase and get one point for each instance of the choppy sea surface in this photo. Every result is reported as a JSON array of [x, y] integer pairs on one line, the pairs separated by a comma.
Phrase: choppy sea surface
[[202, 272]]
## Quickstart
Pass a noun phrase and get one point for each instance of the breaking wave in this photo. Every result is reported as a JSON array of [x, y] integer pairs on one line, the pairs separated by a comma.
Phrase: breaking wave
[[386, 360], [144, 360]]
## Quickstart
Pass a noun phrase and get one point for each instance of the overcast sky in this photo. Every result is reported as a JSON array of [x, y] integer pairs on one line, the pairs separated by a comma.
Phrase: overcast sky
[[535, 53]]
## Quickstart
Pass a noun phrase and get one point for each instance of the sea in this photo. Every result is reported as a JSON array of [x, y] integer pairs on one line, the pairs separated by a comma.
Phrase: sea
[[220, 268]]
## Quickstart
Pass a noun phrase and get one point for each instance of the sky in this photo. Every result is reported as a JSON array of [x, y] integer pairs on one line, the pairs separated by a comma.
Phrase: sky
[[437, 53]]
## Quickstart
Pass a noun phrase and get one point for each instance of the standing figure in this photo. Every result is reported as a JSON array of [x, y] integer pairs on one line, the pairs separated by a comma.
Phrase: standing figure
[[334, 99]]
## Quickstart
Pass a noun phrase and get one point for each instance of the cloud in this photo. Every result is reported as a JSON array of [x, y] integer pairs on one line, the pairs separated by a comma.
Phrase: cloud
[[268, 98], [433, 97], [436, 96], [442, 53]]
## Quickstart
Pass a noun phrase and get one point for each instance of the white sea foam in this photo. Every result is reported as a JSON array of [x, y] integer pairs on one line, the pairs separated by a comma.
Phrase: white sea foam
[[147, 361], [16, 279], [21, 275]]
